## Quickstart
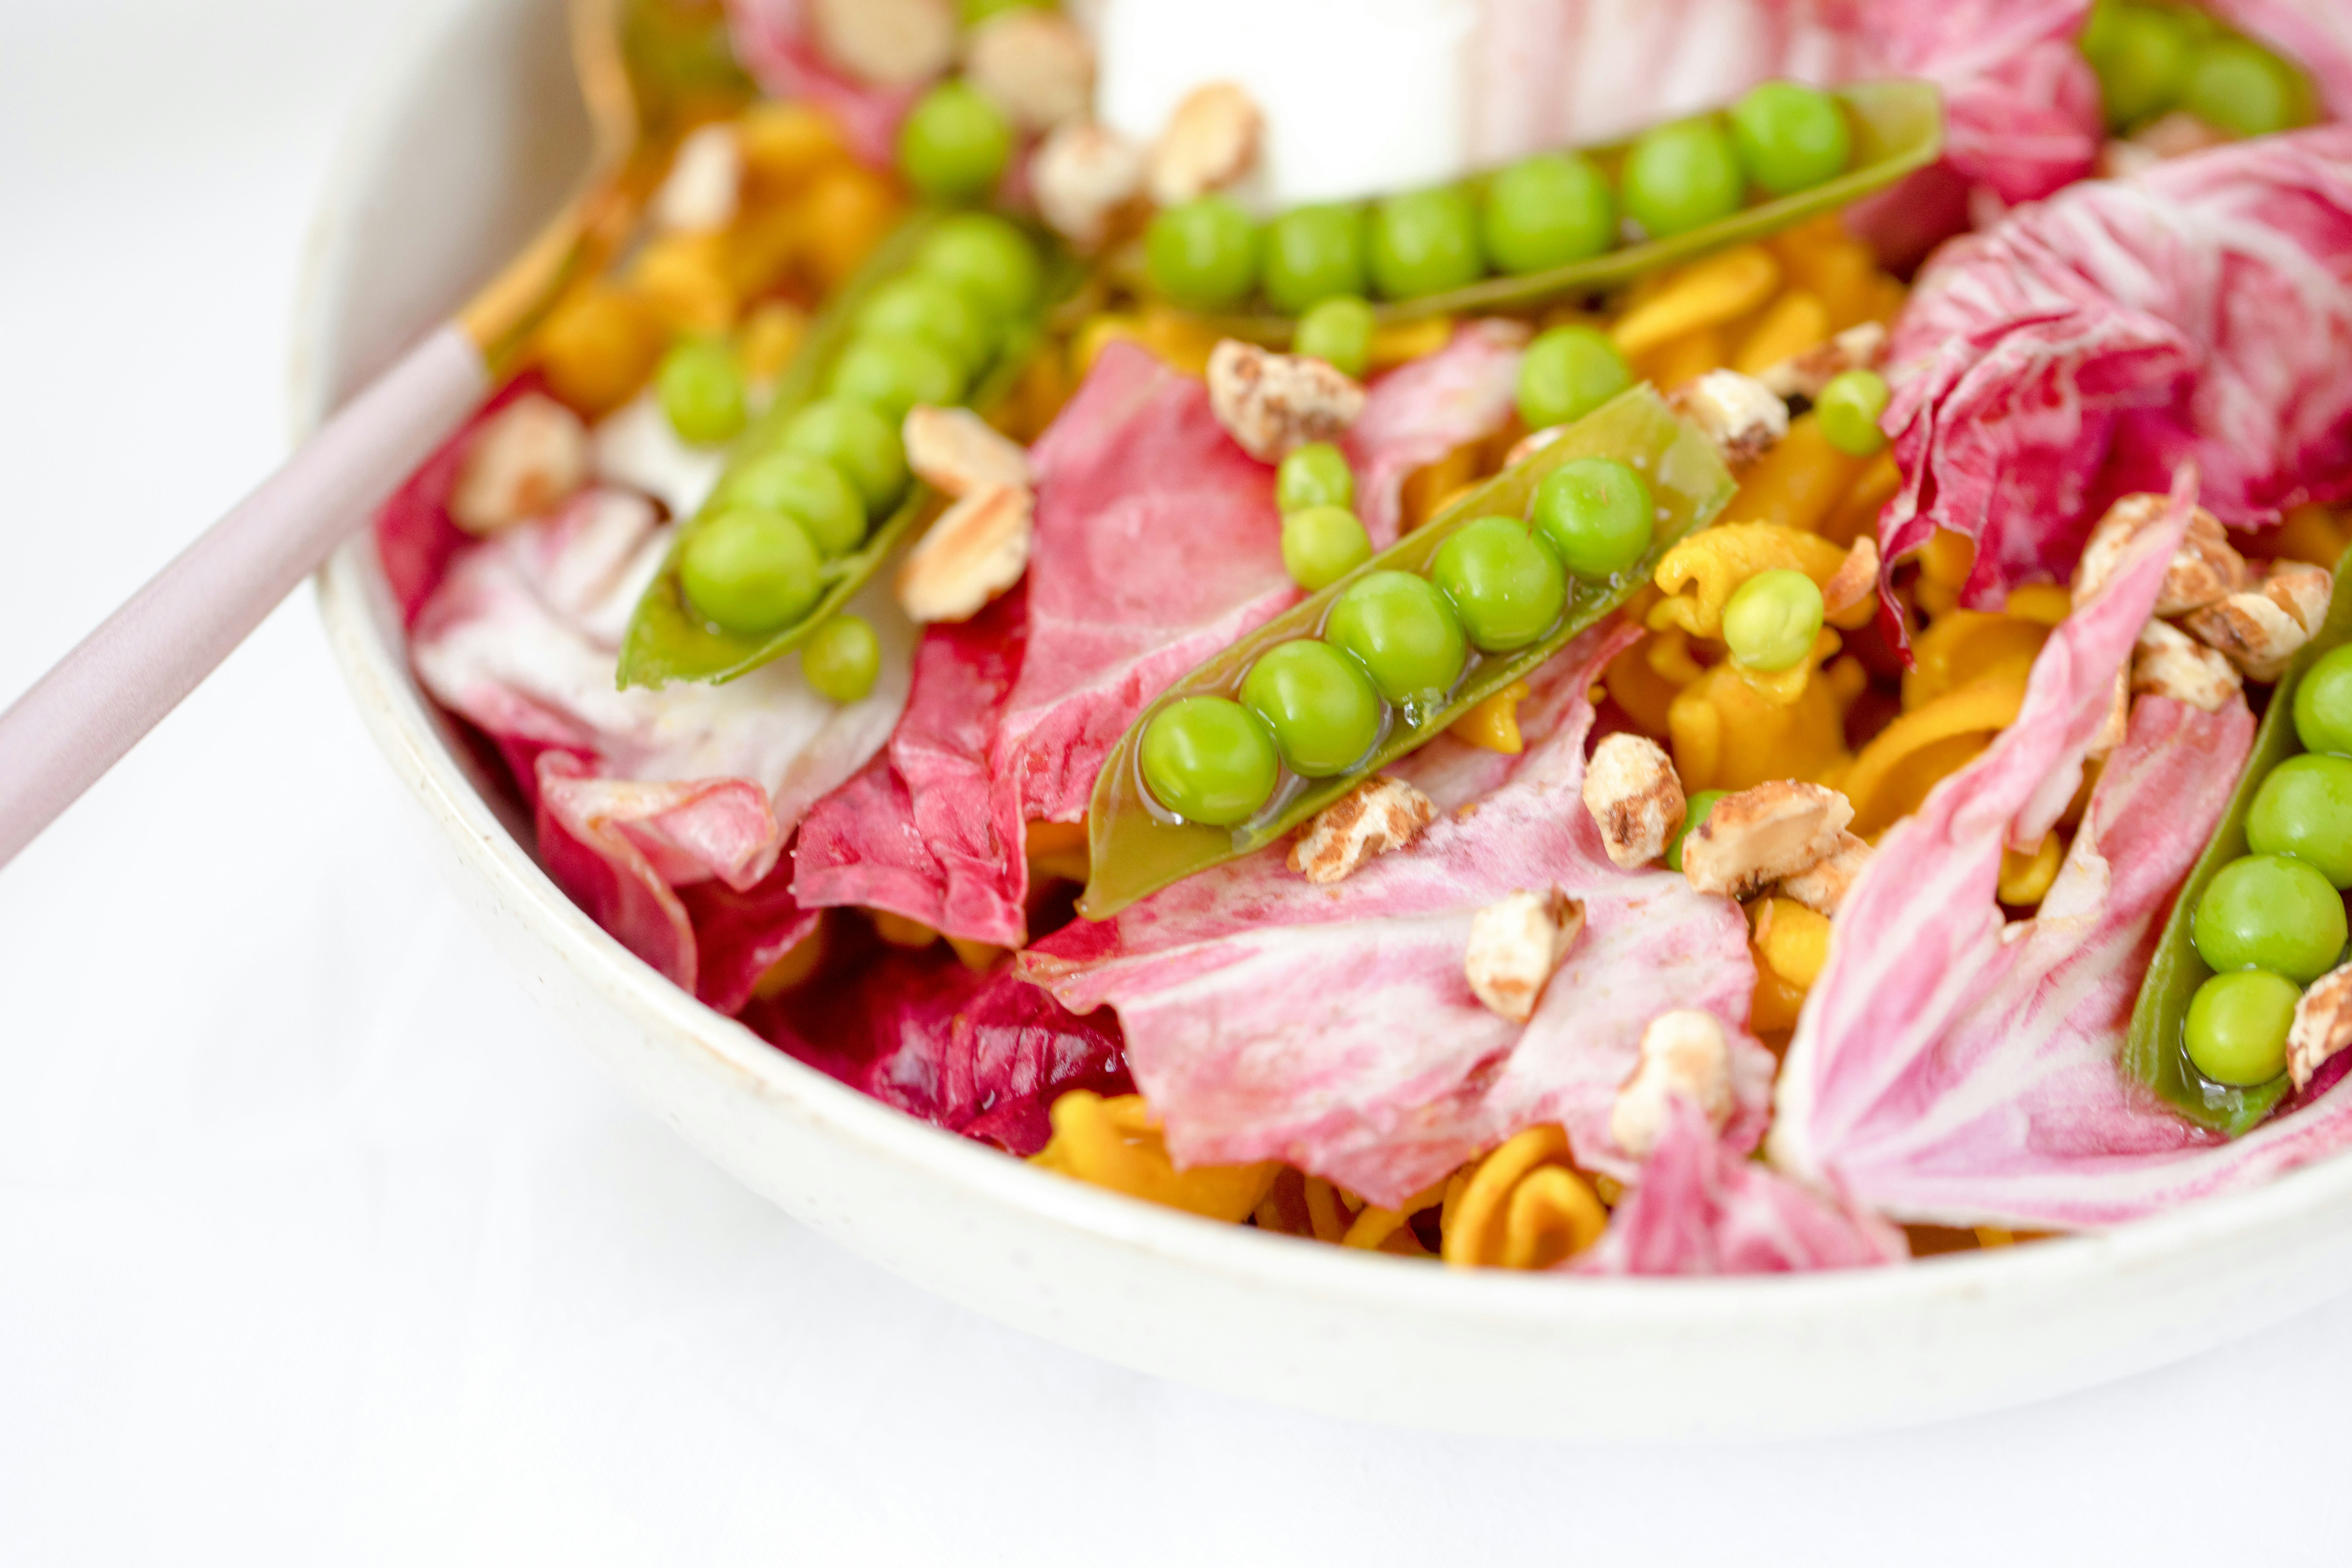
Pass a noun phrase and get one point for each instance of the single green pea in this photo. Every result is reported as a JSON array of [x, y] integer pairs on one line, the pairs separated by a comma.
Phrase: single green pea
[[893, 374], [933, 310], [1425, 242], [812, 493], [748, 571], [1851, 407], [2140, 55], [2237, 1027], [2323, 704], [954, 144], [1507, 587], [1339, 333], [989, 260], [859, 442], [701, 391], [1566, 374], [1314, 254], [1321, 544], [2240, 87], [1791, 137], [1771, 621], [1208, 759], [2305, 809], [1682, 176], [841, 660], [1404, 633], [1319, 704], [1548, 211], [1314, 475], [1202, 254], [1598, 514], [1696, 811], [2266, 911]]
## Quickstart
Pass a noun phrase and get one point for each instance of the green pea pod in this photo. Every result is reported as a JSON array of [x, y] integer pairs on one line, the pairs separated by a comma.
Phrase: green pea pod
[[1136, 850], [1898, 129], [668, 641], [2157, 1052]]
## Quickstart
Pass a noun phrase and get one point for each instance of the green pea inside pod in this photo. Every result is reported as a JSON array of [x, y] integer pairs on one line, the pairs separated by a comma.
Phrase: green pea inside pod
[[1321, 544], [893, 374], [1791, 137], [1546, 211], [1203, 254], [748, 571], [1400, 629], [1682, 177], [1314, 475], [1566, 374], [1508, 588], [1314, 254], [856, 440], [2237, 1027], [812, 493], [1425, 242], [1339, 333], [1209, 760], [2323, 704], [1598, 515], [933, 310], [2267, 912], [987, 258], [2305, 809], [1319, 704]]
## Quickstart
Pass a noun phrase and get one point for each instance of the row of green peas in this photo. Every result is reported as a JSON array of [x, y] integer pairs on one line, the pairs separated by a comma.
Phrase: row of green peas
[[1545, 211], [1394, 644], [2151, 59], [2271, 921], [757, 562]]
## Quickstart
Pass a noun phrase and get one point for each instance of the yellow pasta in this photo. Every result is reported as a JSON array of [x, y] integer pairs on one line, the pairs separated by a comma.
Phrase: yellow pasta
[[1646, 678], [1725, 735], [1962, 645], [1522, 1206], [1494, 723], [1792, 323], [1799, 483], [1694, 299], [1713, 563], [1116, 1143], [1902, 762], [2024, 878]]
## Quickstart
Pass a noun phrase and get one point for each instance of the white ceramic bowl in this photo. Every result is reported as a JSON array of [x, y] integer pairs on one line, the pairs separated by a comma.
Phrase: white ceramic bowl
[[475, 137]]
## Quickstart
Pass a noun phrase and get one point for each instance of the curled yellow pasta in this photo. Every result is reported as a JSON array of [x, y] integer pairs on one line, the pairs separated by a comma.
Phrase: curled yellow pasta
[[1494, 723], [1961, 645], [1727, 735], [1644, 678], [1116, 1143], [1522, 1206], [1792, 323], [1712, 565], [1800, 483], [2024, 878], [1704, 295], [1903, 762]]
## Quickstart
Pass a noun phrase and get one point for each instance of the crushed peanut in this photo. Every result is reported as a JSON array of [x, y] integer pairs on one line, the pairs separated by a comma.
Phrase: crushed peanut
[[1852, 588], [1684, 1052], [1739, 414], [1823, 886], [887, 43], [1378, 815], [2322, 1028], [1515, 945], [1035, 64], [2168, 662], [2261, 628], [1083, 174], [2204, 570], [1273, 404], [1211, 141], [525, 460], [977, 550], [1760, 836], [1635, 798], [957, 452]]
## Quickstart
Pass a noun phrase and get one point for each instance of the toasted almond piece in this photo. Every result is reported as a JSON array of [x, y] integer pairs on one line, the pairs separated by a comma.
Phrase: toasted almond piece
[[887, 43], [956, 451], [1635, 798], [1684, 1052], [527, 459], [1823, 886], [2302, 590], [2322, 1025], [1380, 815], [2168, 662], [1083, 174], [1515, 945], [1855, 582], [977, 549], [1211, 141], [704, 187], [1757, 837], [1809, 374], [1274, 404], [2259, 629], [1739, 414], [2204, 570], [1035, 64]]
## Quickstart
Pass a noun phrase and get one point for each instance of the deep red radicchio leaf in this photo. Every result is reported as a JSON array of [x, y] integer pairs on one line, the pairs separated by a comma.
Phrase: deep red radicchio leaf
[[985, 1055], [775, 40], [1952, 1069], [414, 538], [1332, 1027], [2085, 347]]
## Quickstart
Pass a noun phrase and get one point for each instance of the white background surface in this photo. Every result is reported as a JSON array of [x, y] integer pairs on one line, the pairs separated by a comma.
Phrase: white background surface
[[317, 1245]]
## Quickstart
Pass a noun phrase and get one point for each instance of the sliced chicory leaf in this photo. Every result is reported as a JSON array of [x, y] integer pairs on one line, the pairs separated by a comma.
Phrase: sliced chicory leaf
[[2157, 1052], [1136, 849]]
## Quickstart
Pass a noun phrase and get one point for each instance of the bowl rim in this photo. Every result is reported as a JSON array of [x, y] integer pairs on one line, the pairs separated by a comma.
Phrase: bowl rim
[[355, 605]]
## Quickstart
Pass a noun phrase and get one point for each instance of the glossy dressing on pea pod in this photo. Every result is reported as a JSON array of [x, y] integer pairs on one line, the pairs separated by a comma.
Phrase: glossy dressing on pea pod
[[668, 639], [1138, 848], [2157, 1053], [1897, 128]]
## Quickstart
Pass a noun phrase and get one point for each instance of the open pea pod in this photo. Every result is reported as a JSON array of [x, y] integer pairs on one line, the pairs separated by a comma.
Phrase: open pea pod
[[2157, 1052], [1898, 127], [1137, 848], [668, 639]]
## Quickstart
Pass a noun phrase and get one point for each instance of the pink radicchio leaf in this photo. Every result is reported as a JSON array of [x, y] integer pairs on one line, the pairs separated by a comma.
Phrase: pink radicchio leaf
[[1333, 1027], [774, 40], [2314, 34], [1702, 1209], [1421, 410], [2088, 346]]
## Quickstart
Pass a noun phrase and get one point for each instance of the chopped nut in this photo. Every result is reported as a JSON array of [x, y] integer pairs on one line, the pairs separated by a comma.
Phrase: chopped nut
[[526, 459], [2260, 629], [1036, 65], [1376, 816], [2322, 1028], [705, 183], [2204, 569], [1809, 374], [2168, 662], [1515, 945], [1211, 141], [1739, 414], [1759, 836], [1635, 798], [1823, 886], [2302, 590], [2117, 722], [1273, 404], [2174, 135], [956, 451], [1082, 175], [1684, 1052], [1855, 582], [977, 550], [887, 43]]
